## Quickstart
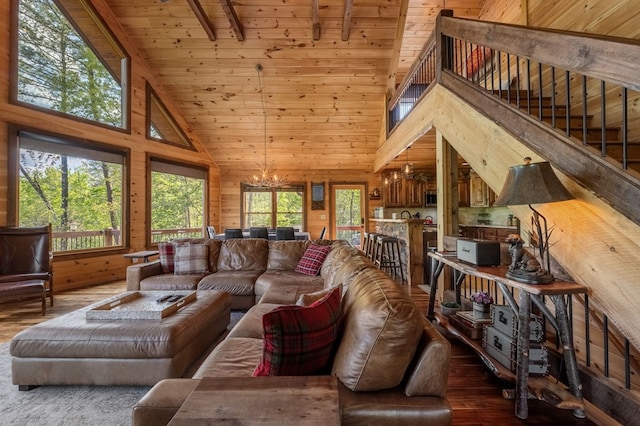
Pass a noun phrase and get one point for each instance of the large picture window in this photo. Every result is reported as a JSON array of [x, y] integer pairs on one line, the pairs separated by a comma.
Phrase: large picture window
[[74, 185], [69, 62], [273, 207], [177, 200]]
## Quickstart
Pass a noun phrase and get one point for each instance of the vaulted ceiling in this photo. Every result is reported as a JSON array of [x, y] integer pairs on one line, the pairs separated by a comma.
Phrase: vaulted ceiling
[[323, 91]]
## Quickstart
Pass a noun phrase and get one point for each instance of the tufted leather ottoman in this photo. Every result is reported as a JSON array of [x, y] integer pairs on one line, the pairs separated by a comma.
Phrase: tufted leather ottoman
[[71, 350]]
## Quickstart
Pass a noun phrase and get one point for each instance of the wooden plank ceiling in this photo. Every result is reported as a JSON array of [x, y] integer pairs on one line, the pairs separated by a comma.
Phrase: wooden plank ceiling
[[325, 69]]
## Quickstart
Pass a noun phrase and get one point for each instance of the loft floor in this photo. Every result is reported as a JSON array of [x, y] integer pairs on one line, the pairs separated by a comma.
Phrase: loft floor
[[474, 393]]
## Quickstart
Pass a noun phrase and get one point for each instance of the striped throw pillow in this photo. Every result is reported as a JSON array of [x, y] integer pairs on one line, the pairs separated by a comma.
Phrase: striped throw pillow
[[311, 261], [191, 259]]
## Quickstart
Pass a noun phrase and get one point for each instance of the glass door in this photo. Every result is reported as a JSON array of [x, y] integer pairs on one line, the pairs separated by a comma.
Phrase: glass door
[[348, 212]]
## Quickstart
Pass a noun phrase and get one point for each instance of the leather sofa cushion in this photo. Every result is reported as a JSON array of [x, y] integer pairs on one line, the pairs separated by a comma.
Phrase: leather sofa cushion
[[284, 255], [339, 254], [381, 330], [347, 271], [250, 325], [171, 282], [391, 407], [240, 283], [270, 279], [287, 294], [243, 254], [233, 357], [424, 378]]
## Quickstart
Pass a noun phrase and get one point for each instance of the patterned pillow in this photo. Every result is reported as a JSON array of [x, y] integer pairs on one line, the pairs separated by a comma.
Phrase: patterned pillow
[[309, 298], [191, 259], [298, 340], [167, 252], [311, 261]]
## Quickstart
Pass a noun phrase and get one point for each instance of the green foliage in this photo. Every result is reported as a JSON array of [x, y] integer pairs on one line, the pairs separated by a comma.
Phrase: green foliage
[[57, 69], [259, 208], [87, 207], [176, 201]]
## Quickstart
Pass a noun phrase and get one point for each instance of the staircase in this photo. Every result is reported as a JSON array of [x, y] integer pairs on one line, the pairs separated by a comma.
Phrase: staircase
[[607, 143]]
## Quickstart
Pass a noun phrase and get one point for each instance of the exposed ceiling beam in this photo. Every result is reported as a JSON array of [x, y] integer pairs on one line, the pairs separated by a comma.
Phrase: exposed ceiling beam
[[315, 15], [233, 19], [346, 23], [397, 47], [203, 18]]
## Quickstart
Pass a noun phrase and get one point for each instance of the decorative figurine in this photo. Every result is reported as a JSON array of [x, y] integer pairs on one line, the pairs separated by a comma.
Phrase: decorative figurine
[[523, 267]]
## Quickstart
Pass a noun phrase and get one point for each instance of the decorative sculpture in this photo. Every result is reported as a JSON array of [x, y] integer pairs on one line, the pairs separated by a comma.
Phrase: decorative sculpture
[[523, 267]]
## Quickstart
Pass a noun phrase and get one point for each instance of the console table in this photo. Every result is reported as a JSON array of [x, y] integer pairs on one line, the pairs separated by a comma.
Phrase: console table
[[277, 400], [526, 387]]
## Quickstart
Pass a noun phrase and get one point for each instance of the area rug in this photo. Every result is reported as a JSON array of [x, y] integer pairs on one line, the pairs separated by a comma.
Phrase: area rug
[[67, 405]]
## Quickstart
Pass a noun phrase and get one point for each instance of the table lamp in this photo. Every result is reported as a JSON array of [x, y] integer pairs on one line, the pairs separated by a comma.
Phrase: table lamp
[[531, 183]]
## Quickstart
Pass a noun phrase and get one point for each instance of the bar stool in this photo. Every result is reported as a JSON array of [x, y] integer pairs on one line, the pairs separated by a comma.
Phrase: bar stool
[[388, 255], [372, 246]]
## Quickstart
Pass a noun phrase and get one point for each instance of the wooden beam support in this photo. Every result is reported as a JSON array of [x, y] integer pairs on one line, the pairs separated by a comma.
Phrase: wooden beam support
[[233, 19], [397, 47], [315, 16], [203, 18], [346, 22]]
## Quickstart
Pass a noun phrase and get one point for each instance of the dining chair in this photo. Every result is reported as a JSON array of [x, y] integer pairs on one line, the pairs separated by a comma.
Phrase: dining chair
[[231, 233], [285, 233], [324, 231], [259, 232]]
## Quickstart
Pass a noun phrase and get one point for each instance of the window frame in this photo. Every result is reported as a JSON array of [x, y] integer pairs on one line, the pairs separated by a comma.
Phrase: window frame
[[245, 188], [181, 164], [13, 180], [125, 66], [152, 96]]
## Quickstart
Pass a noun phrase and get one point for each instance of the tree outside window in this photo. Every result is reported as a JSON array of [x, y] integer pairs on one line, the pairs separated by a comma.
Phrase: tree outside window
[[177, 200], [58, 70], [273, 207], [75, 187]]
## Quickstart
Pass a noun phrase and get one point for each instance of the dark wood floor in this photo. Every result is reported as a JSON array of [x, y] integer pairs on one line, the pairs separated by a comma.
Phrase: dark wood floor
[[474, 393]]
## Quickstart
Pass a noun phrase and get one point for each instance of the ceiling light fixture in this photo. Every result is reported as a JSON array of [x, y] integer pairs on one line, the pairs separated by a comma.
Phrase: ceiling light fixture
[[407, 169], [266, 178]]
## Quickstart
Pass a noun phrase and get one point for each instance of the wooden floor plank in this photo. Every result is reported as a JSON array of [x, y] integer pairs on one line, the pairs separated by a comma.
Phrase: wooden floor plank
[[474, 393]]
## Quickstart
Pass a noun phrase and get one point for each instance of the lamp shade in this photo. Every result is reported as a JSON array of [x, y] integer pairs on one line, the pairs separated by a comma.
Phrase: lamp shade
[[531, 183]]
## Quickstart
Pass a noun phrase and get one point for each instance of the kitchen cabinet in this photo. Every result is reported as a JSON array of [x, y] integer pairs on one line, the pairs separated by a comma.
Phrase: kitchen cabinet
[[463, 191], [480, 195], [486, 232], [415, 192], [393, 194]]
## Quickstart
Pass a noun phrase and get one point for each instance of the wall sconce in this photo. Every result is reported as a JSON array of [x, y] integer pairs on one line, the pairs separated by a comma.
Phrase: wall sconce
[[531, 183]]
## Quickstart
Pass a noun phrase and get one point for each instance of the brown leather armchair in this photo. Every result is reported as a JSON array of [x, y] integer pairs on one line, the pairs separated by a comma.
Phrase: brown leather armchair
[[25, 263]]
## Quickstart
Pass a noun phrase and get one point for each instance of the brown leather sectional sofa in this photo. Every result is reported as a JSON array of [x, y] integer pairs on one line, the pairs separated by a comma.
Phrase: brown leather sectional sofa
[[391, 363]]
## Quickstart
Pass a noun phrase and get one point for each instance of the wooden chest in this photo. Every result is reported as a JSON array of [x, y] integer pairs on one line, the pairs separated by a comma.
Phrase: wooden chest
[[503, 349], [504, 319]]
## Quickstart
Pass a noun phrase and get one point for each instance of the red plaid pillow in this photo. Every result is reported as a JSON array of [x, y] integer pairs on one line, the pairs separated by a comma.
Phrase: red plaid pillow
[[167, 252], [312, 259], [297, 340]]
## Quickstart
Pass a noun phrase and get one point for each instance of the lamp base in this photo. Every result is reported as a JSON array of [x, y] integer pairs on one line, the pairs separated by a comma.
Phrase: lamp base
[[535, 277]]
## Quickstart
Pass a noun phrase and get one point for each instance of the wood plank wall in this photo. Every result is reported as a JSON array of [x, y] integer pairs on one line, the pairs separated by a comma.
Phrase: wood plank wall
[[83, 271]]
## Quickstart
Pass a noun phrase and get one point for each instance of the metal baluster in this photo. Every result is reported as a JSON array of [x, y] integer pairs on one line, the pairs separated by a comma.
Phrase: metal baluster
[[584, 110], [603, 119], [553, 97], [509, 77], [518, 81], [540, 91], [605, 335], [625, 129], [529, 86], [568, 103], [627, 367], [587, 331]]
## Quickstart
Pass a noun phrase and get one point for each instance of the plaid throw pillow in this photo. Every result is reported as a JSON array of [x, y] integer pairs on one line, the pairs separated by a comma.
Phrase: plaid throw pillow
[[191, 259], [166, 251], [299, 341], [312, 259]]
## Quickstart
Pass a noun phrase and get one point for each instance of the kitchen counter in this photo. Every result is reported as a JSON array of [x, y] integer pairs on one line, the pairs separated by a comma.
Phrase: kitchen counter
[[410, 235]]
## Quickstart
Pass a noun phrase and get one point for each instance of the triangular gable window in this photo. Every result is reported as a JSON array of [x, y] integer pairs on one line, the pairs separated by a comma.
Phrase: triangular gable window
[[68, 62], [161, 126]]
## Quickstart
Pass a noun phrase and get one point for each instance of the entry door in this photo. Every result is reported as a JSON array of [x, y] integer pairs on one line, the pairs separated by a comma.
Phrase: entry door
[[348, 212]]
